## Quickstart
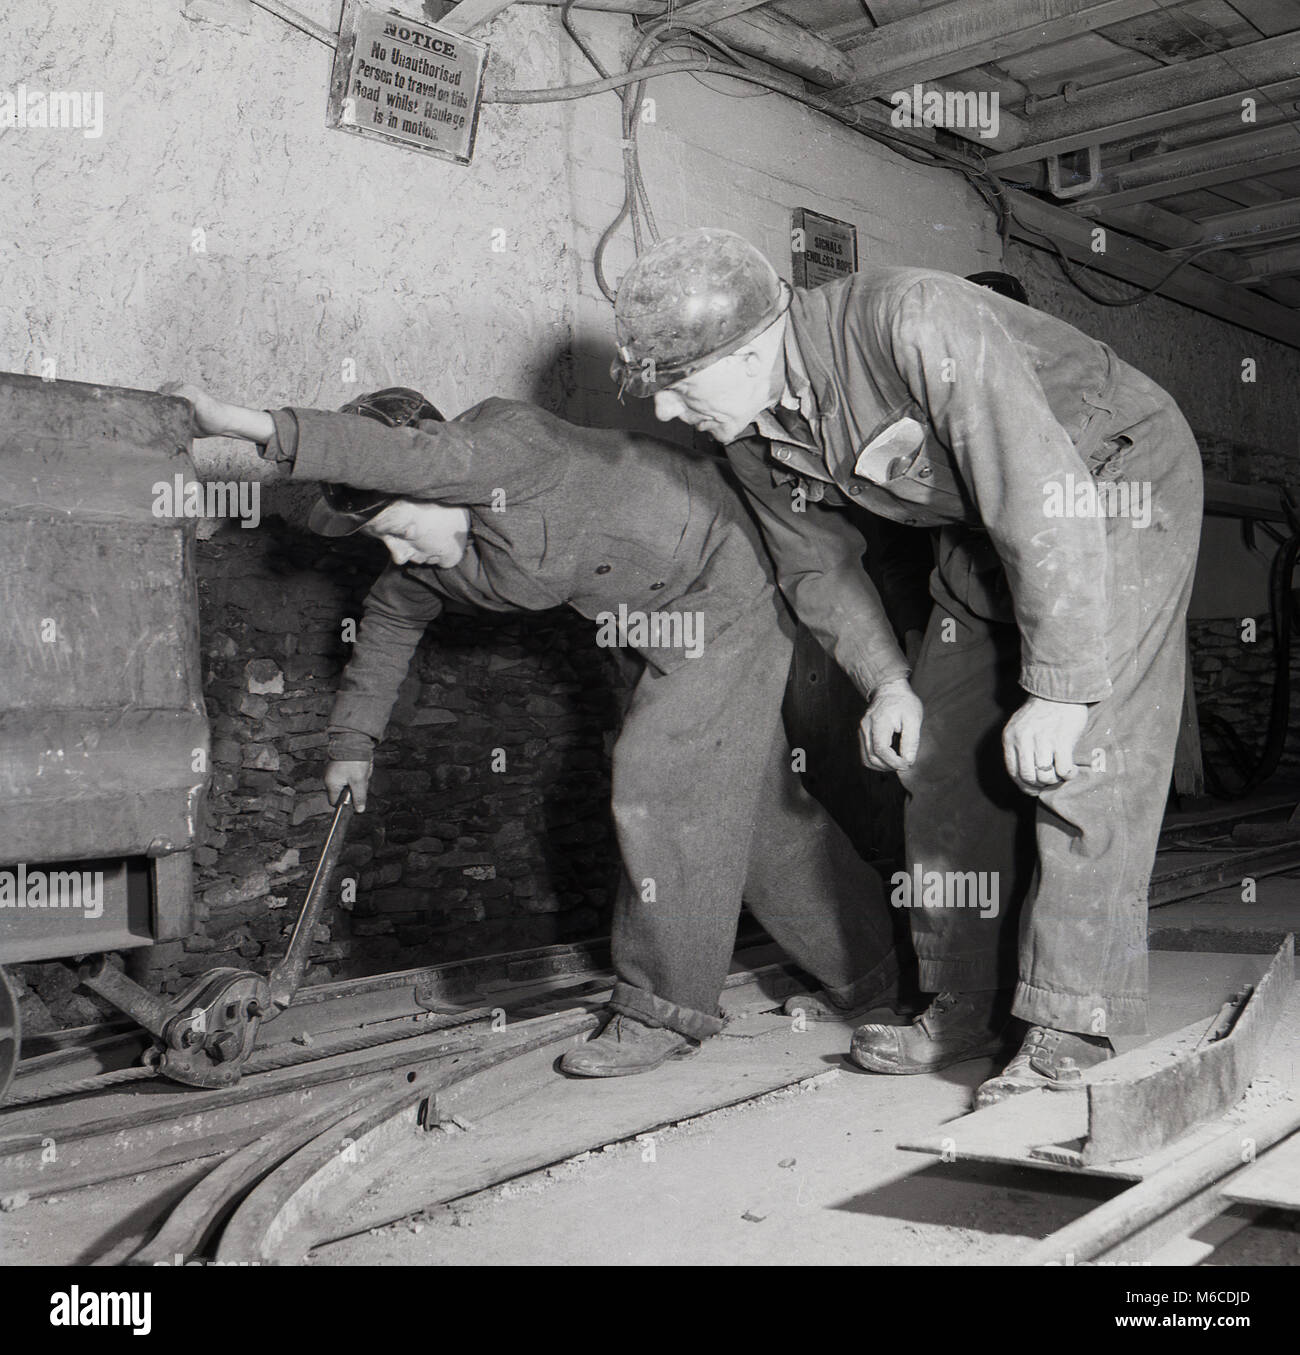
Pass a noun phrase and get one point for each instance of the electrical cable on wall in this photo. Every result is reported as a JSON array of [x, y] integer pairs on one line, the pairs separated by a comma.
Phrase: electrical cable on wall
[[629, 85], [1099, 298]]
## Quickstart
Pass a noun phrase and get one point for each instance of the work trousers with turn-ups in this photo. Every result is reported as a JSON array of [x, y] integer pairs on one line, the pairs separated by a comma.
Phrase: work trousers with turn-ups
[[1071, 866], [709, 810]]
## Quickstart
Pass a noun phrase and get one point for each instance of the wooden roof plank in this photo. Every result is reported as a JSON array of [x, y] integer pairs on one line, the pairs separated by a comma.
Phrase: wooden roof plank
[[472, 14], [1139, 264], [1268, 16], [710, 11], [1252, 222], [965, 33], [1216, 162], [1273, 263], [759, 32], [1154, 99]]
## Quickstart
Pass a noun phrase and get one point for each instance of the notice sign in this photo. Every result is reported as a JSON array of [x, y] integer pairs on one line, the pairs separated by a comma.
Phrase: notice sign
[[410, 83], [822, 249]]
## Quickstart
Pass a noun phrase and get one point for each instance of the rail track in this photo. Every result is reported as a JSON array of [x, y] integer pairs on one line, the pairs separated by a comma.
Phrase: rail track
[[356, 1070], [347, 1092]]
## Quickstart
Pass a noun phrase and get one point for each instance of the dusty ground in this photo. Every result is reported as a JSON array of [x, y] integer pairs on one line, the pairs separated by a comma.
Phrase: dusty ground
[[808, 1177], [801, 1177], [804, 1177]]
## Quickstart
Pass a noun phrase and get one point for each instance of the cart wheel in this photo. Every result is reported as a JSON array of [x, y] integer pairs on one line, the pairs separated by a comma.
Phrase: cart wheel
[[10, 1034]]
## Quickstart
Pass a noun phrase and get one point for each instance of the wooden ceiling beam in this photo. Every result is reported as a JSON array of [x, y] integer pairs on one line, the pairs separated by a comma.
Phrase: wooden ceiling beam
[[1274, 263], [1149, 222], [1205, 124], [760, 33], [472, 14], [1153, 100], [965, 33], [1183, 171], [1262, 223], [1137, 263], [707, 12]]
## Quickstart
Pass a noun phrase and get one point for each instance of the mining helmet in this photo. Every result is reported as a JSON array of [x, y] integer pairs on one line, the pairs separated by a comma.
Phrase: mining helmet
[[689, 301], [1004, 284], [343, 509]]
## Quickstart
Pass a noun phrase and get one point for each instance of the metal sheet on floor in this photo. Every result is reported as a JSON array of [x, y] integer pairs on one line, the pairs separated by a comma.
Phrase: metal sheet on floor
[[1185, 986], [1273, 1181]]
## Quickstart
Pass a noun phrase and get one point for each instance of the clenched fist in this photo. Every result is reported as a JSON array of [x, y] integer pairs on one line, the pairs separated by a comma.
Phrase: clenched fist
[[895, 711], [354, 774], [1038, 743]]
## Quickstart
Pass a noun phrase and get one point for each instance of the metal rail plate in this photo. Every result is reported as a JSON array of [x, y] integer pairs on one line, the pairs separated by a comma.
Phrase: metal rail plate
[[1132, 1116]]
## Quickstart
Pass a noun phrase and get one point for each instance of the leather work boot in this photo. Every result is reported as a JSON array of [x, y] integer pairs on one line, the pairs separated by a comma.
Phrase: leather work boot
[[1047, 1058], [953, 1028], [627, 1046], [821, 1006]]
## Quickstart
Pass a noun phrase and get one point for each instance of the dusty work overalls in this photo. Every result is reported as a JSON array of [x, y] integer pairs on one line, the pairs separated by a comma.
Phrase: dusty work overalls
[[935, 403], [705, 800]]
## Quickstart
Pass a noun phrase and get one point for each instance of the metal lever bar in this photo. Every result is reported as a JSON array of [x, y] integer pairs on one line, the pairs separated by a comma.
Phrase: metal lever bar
[[152, 1012], [1222, 1025], [287, 975]]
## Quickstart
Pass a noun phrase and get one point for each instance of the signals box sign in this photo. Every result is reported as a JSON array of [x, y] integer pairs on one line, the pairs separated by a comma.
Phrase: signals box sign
[[412, 84], [821, 248]]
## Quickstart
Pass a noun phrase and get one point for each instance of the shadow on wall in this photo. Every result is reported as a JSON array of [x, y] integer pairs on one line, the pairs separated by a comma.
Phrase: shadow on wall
[[575, 383]]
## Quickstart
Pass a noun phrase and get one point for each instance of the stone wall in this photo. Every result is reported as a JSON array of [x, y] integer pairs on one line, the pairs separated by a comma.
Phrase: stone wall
[[488, 825], [1233, 680]]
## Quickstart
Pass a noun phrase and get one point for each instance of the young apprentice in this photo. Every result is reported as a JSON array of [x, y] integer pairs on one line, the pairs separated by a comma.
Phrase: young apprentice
[[1067, 489], [705, 803]]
